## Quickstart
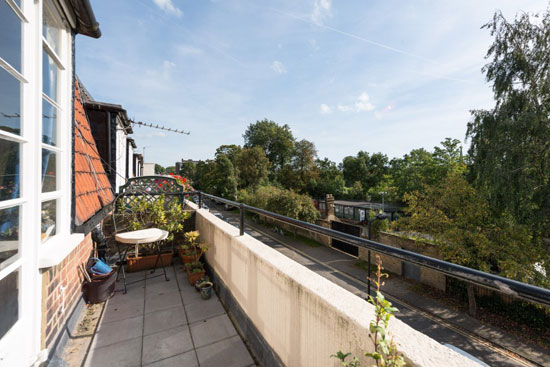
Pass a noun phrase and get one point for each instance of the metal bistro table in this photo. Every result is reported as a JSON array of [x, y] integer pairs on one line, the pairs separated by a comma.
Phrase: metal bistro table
[[126, 240]]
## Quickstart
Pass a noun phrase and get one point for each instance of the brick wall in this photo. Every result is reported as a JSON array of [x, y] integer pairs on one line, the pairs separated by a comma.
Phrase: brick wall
[[427, 276], [61, 288]]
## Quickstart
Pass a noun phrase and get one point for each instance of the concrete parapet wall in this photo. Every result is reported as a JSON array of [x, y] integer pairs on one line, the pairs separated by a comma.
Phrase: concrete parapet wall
[[302, 316]]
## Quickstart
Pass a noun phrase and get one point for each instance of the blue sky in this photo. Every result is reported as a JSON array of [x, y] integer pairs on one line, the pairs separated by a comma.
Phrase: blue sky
[[386, 76]]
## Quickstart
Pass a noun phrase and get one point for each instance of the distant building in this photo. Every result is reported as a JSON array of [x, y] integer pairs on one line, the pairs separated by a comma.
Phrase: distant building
[[110, 127], [148, 169]]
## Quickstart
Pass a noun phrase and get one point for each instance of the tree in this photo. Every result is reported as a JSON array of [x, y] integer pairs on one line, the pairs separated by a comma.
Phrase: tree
[[188, 170], [202, 178], [302, 168], [367, 169], [252, 166], [510, 144], [354, 168], [159, 170], [281, 201], [224, 178], [459, 220], [330, 180], [231, 151], [276, 141], [170, 169]]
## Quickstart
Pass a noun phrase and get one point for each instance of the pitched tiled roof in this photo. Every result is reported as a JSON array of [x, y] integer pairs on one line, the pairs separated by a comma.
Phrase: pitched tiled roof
[[92, 188]]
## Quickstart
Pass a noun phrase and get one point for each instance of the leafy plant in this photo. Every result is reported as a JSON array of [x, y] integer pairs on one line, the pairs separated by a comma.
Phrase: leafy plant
[[343, 356], [195, 267], [139, 212], [193, 247], [385, 351]]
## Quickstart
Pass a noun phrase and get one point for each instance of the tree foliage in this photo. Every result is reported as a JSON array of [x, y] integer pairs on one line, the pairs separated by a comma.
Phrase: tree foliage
[[281, 201], [159, 170], [458, 218], [252, 166], [330, 180], [276, 141], [510, 144]]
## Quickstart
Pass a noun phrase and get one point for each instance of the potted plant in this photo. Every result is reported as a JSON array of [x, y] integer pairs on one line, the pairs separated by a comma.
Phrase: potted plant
[[206, 290], [141, 213], [205, 278], [195, 271], [145, 256], [192, 250]]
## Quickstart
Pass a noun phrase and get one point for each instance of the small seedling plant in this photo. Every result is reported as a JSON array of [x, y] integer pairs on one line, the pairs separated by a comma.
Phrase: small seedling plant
[[385, 352]]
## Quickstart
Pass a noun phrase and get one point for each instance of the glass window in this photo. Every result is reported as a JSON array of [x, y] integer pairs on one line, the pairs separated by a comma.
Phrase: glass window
[[51, 31], [49, 123], [49, 76], [10, 36], [9, 170], [49, 213], [9, 302], [9, 233], [10, 103], [48, 170]]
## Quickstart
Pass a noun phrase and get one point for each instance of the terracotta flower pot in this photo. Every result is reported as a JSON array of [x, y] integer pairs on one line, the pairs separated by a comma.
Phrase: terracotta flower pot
[[134, 264], [193, 277], [188, 258]]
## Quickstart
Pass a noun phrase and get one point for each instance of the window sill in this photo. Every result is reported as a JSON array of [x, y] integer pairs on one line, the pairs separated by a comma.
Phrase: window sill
[[58, 248]]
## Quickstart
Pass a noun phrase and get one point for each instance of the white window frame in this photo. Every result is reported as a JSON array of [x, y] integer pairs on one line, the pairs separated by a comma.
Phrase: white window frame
[[21, 345]]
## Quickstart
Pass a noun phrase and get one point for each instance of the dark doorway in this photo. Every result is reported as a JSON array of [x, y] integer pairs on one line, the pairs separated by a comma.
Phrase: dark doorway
[[349, 229]]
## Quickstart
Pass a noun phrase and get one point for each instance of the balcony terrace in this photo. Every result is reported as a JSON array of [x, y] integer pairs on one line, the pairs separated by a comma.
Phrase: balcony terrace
[[160, 323], [269, 310]]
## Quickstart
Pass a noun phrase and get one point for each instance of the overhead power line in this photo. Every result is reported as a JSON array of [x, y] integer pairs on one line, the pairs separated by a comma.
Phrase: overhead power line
[[160, 127]]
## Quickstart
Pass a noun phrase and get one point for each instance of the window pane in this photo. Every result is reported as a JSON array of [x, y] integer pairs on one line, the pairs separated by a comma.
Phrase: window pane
[[49, 123], [9, 302], [49, 210], [49, 76], [51, 31], [48, 170], [9, 170], [9, 233], [10, 36], [10, 103]]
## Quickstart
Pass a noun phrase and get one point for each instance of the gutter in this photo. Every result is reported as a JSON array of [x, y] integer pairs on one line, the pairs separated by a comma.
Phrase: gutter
[[86, 23]]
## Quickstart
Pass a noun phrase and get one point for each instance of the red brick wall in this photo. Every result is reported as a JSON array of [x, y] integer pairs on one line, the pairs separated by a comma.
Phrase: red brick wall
[[61, 288]]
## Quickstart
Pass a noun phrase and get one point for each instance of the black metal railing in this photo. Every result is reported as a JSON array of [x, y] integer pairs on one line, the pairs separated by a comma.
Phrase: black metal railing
[[491, 281]]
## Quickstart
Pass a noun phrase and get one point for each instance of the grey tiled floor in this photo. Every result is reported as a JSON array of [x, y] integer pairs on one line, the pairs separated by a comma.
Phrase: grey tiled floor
[[159, 323]]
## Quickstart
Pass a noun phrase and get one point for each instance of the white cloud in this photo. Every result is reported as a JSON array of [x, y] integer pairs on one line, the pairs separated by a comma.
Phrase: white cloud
[[344, 108], [325, 109], [360, 105], [278, 67], [321, 10], [187, 50], [363, 103], [168, 7]]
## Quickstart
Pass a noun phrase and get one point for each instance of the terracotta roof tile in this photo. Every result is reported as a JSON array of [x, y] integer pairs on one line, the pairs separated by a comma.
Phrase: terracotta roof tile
[[92, 188]]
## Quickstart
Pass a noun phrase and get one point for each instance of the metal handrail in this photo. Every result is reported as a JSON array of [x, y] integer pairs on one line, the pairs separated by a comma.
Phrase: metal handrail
[[491, 281]]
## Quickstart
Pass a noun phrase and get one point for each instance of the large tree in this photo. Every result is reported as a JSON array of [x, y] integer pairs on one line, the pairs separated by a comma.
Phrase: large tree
[[459, 219], [252, 167], [510, 143], [330, 180], [231, 151], [368, 169], [276, 141]]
